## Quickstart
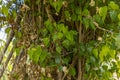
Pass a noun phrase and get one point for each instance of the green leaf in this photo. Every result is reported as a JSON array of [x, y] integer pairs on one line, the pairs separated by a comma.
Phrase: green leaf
[[35, 53], [64, 29], [17, 50], [119, 16], [43, 56], [49, 26], [101, 57], [58, 49], [92, 59], [86, 22], [66, 43], [113, 5], [74, 17], [66, 60], [95, 52], [113, 15], [46, 41], [44, 32], [98, 19], [37, 2], [92, 24], [57, 5], [82, 49], [57, 60], [67, 14], [60, 35], [104, 52], [79, 18], [85, 12], [5, 10], [69, 36], [103, 12], [87, 67], [117, 41], [19, 34], [72, 71], [105, 67], [7, 30], [112, 53], [78, 10], [54, 37]]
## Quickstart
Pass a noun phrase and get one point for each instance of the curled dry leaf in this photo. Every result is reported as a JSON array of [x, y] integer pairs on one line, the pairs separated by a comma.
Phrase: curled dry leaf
[[65, 70], [49, 75], [103, 1], [43, 70], [99, 38], [65, 4], [92, 3], [32, 37], [25, 8], [97, 10]]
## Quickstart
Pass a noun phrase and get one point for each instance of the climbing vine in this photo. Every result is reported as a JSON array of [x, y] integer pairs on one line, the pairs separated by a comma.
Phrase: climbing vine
[[60, 39]]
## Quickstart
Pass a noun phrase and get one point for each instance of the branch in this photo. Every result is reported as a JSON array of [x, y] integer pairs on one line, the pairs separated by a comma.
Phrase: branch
[[10, 37], [2, 18], [6, 63], [17, 59], [47, 8], [79, 70]]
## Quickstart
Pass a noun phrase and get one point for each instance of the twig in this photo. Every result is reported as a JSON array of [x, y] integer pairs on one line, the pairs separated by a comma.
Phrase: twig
[[75, 58], [2, 18], [64, 76], [103, 29], [59, 75]]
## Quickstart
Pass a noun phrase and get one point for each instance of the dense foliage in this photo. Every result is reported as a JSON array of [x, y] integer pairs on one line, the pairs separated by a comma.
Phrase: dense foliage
[[60, 39]]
